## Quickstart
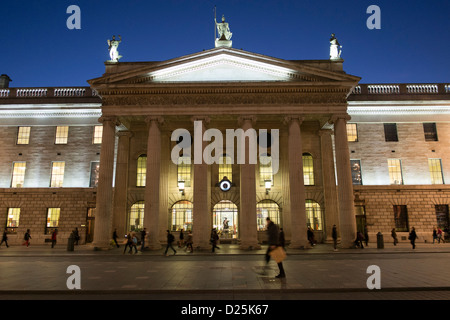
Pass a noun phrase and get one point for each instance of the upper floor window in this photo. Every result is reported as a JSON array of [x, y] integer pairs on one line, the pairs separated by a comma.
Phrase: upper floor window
[[265, 170], [352, 132], [430, 132], [98, 133], [184, 171], [390, 132], [395, 171], [23, 135], [141, 171], [308, 169], [62, 133], [18, 176], [435, 166], [57, 174]]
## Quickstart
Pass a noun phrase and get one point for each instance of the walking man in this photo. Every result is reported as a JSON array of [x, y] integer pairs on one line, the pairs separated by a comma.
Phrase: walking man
[[170, 240], [334, 236], [143, 235], [5, 238], [273, 240]]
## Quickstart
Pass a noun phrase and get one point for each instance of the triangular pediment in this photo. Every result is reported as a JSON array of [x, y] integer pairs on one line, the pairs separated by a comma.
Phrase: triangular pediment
[[221, 65]]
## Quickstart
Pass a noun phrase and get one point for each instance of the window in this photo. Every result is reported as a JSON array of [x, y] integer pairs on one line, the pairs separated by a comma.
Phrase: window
[[225, 168], [395, 171], [184, 170], [18, 176], [52, 219], [356, 171], [308, 169], [23, 135], [141, 171], [390, 132], [225, 219], [265, 169], [352, 132], [401, 218], [137, 216], [57, 174], [12, 221], [442, 215], [95, 171], [62, 133], [98, 133], [430, 132], [264, 209], [182, 216], [435, 166], [313, 215]]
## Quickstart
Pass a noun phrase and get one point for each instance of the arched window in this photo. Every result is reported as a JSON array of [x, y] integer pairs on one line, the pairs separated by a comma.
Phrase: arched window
[[225, 219], [141, 171], [265, 169], [225, 168], [182, 216], [264, 209], [136, 221], [313, 215], [308, 169], [184, 170]]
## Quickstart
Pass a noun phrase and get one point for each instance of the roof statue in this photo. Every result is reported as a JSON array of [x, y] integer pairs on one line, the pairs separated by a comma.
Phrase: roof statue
[[335, 48], [113, 44], [224, 33]]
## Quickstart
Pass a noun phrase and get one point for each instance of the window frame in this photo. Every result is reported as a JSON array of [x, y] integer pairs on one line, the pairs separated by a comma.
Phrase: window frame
[[57, 177], [62, 135], [389, 136]]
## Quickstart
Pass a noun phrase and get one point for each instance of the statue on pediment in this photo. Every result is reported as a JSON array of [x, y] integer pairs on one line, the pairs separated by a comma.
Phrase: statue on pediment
[[113, 44], [335, 48], [223, 29]]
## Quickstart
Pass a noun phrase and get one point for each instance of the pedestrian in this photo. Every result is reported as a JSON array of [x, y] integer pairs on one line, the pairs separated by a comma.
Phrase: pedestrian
[[394, 236], [434, 234], [189, 242], [310, 235], [440, 236], [412, 237], [54, 233], [214, 239], [27, 238], [143, 235], [334, 236], [366, 236], [133, 244], [273, 241], [128, 243], [170, 240], [76, 236], [115, 238], [359, 240], [282, 239], [181, 241], [5, 238]]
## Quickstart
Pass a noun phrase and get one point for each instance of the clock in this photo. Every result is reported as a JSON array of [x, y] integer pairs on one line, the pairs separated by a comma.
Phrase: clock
[[225, 184]]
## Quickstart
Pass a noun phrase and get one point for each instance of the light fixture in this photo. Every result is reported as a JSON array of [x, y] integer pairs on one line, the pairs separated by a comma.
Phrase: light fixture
[[181, 186], [268, 185]]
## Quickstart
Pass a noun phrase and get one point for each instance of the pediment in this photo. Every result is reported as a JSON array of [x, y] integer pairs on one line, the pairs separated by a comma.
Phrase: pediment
[[221, 65]]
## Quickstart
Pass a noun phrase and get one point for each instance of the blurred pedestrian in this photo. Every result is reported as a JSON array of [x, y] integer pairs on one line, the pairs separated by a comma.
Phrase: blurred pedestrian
[[5, 238], [273, 241], [54, 234], [214, 239], [189, 242], [133, 244], [282, 239], [440, 235], [27, 238], [434, 235], [412, 237], [394, 236], [143, 235], [366, 236], [170, 240], [115, 238], [128, 243], [181, 241], [334, 236]]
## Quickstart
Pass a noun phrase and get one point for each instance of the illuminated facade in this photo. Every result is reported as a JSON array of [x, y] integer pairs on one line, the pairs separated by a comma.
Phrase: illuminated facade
[[99, 158]]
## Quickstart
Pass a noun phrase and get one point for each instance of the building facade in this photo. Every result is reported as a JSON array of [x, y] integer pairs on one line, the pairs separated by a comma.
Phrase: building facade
[[330, 151]]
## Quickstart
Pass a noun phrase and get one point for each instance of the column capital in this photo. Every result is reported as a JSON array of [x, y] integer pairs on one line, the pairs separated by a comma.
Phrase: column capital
[[246, 118], [113, 119], [127, 134], [323, 132], [154, 119], [342, 116], [289, 118], [204, 119]]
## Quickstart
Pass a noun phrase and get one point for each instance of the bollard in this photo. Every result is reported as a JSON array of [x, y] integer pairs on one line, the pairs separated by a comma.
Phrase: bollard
[[380, 242], [71, 242]]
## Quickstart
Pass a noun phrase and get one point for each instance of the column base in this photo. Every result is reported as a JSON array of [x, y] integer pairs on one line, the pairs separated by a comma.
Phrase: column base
[[101, 246], [299, 245], [250, 246]]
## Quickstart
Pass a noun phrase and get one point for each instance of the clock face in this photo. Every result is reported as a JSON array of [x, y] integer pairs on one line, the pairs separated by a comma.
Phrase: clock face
[[225, 185]]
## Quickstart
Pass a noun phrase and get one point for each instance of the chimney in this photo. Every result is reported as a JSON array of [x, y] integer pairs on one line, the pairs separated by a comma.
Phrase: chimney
[[4, 81]]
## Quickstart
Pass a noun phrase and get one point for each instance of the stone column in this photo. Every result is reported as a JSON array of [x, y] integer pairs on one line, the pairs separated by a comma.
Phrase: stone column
[[121, 183], [347, 220], [247, 214], [103, 214], [299, 238], [152, 181], [202, 188], [329, 183]]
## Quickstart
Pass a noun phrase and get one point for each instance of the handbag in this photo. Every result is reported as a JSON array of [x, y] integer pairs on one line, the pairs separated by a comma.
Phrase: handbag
[[278, 254]]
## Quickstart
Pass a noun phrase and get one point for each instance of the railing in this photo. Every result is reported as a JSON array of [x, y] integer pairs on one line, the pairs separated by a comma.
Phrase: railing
[[402, 88], [47, 92]]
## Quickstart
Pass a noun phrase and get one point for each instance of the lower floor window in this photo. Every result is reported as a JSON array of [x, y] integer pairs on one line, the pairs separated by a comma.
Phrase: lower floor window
[[401, 218], [52, 220], [267, 209], [313, 215], [182, 216]]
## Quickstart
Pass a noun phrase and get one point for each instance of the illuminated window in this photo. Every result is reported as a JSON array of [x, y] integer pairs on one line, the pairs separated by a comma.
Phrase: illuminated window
[[98, 133], [23, 135], [95, 171], [18, 176], [264, 209], [430, 132], [184, 170], [62, 133], [435, 166], [225, 168], [308, 169], [390, 132], [141, 171], [352, 132], [182, 216], [12, 221], [52, 219], [265, 169], [57, 174], [401, 218], [137, 216], [356, 171], [225, 219], [395, 171], [313, 215]]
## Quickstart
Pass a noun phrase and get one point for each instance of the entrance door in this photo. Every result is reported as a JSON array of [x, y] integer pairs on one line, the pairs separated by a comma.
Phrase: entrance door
[[90, 225], [225, 219]]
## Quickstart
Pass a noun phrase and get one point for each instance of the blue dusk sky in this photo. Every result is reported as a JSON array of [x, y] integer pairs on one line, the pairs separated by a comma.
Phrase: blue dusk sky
[[38, 50]]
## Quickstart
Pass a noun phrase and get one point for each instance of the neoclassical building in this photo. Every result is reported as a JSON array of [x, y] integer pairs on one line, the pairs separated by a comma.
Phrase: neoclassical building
[[330, 151]]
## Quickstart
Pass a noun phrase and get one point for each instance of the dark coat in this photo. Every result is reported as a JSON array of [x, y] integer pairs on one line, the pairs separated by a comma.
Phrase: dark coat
[[273, 234]]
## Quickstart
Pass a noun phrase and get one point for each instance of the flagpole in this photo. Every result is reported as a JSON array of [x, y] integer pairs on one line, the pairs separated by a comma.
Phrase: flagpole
[[215, 24]]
